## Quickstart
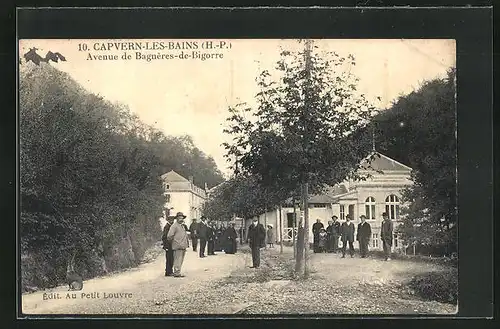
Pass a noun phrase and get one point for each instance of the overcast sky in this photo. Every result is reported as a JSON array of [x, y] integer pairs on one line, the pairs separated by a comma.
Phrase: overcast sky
[[190, 96]]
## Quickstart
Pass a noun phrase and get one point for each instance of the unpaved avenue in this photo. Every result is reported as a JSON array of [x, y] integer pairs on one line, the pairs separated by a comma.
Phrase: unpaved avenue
[[141, 288]]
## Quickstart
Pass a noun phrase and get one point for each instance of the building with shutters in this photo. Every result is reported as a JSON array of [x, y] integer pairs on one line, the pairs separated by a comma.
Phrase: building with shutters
[[181, 195], [378, 194]]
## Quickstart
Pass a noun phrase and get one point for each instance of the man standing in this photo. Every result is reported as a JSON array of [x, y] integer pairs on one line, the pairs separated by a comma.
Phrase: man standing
[[193, 229], [211, 238], [363, 236], [256, 237], [178, 237], [203, 235], [386, 235], [335, 233], [169, 252], [315, 229], [347, 231]]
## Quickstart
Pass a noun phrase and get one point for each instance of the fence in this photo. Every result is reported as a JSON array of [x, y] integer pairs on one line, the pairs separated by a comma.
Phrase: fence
[[288, 234]]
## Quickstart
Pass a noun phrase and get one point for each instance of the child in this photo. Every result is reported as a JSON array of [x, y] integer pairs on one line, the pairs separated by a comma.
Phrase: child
[[270, 236], [323, 240]]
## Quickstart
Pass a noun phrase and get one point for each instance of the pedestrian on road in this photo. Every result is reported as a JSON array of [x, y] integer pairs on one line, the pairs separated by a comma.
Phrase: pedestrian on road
[[211, 238], [167, 245], [270, 236], [335, 233], [230, 237], [203, 235], [193, 229], [316, 229], [347, 231], [323, 240], [363, 236], [386, 235], [329, 236], [256, 239], [177, 235]]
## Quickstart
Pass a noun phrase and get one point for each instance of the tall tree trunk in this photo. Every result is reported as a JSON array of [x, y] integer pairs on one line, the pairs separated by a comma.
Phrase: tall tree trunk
[[294, 226], [281, 231], [306, 229], [299, 261]]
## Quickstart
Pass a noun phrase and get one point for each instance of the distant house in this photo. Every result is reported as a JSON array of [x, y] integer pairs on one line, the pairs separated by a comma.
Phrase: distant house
[[181, 195], [378, 194]]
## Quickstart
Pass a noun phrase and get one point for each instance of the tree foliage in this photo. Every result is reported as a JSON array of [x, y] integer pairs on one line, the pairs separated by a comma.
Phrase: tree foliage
[[305, 127], [89, 171], [420, 130]]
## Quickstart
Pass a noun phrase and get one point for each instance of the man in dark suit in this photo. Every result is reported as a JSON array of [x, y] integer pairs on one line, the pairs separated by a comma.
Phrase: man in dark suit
[[335, 233], [167, 245], [193, 230], [211, 238], [347, 231], [386, 235], [256, 237], [315, 230], [203, 235], [363, 236]]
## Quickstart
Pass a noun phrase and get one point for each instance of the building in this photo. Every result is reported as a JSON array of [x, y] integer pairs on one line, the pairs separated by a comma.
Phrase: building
[[377, 194], [181, 195]]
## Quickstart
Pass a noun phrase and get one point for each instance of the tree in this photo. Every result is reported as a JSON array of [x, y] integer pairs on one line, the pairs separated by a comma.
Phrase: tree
[[301, 133], [419, 130]]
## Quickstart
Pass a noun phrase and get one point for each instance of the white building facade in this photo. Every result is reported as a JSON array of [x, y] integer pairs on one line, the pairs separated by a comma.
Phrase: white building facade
[[181, 195], [378, 194]]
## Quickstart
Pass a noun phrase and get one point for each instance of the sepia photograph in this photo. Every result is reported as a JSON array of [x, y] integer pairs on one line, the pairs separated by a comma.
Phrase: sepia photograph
[[237, 177]]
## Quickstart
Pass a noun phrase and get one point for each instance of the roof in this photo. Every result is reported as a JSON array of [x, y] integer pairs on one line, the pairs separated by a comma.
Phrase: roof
[[382, 162], [172, 176], [320, 198], [336, 190]]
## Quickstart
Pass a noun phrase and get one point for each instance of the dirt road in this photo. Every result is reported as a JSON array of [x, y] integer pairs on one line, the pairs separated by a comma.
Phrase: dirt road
[[136, 291]]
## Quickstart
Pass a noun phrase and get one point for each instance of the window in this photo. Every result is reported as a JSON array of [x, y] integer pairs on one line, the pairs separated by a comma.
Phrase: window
[[392, 206], [395, 240], [370, 207], [167, 198], [317, 205], [375, 240], [342, 212], [167, 186]]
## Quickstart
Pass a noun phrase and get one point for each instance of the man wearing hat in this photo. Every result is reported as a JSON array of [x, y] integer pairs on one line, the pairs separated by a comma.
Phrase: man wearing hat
[[386, 235], [169, 252], [256, 239], [193, 229], [178, 237], [347, 231], [363, 236], [203, 235]]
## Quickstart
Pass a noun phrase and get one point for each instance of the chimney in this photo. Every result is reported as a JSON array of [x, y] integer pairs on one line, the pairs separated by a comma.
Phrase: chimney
[[191, 179], [206, 186]]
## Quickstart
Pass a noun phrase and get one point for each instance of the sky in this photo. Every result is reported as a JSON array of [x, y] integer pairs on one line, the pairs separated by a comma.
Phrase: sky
[[191, 96]]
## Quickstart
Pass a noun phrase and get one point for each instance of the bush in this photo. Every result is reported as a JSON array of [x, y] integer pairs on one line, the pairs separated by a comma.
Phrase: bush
[[441, 286]]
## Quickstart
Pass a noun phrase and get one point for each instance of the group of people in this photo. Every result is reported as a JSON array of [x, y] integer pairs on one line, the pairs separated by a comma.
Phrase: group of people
[[327, 240], [176, 236]]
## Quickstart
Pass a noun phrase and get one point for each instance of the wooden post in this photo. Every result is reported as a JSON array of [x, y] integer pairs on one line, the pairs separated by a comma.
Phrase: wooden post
[[281, 231]]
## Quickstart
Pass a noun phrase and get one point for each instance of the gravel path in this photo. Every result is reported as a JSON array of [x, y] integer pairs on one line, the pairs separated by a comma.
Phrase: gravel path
[[224, 284], [144, 290], [335, 286]]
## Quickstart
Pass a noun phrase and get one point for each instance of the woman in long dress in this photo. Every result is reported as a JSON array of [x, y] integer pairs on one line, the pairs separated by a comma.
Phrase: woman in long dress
[[230, 237]]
